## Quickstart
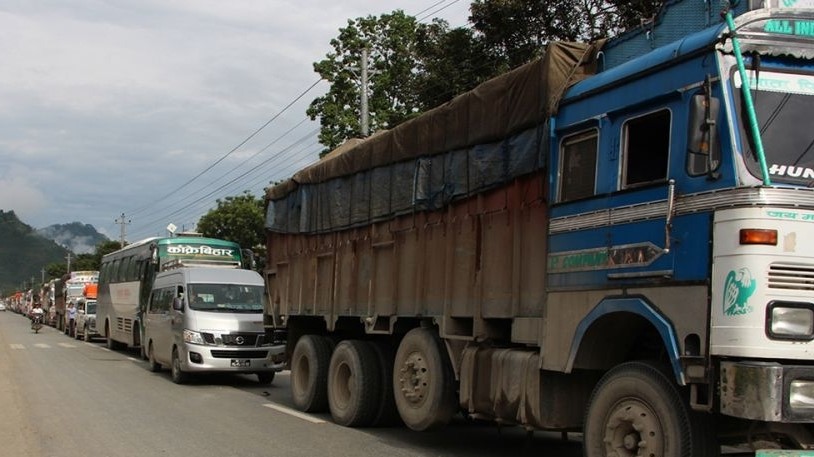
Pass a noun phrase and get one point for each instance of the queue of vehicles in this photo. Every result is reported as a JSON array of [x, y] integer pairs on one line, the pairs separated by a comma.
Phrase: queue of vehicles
[[619, 256]]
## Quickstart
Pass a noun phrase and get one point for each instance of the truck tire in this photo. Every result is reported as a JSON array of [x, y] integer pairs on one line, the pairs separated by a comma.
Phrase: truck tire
[[387, 415], [309, 373], [423, 381], [86, 335], [354, 384], [179, 376], [637, 409]]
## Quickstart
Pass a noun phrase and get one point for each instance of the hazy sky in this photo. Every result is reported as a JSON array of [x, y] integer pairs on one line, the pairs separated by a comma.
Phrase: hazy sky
[[108, 106]]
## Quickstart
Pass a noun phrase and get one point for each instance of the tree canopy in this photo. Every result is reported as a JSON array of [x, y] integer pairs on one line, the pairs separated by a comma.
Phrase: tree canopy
[[416, 66], [240, 219]]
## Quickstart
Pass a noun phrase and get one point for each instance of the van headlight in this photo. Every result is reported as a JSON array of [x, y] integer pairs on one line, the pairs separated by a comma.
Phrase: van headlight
[[192, 337], [790, 321]]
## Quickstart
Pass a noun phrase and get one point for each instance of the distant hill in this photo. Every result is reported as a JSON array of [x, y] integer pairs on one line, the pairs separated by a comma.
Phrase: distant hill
[[79, 238], [23, 253]]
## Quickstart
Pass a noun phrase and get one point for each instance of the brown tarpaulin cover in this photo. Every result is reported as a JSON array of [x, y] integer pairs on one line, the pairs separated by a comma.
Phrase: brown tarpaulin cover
[[500, 107]]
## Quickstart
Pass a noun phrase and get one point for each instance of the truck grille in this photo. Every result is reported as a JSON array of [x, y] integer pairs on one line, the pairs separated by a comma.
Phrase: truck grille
[[225, 354], [791, 276]]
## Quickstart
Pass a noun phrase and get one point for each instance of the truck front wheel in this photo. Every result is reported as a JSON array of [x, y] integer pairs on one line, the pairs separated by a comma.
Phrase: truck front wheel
[[636, 409], [423, 381], [309, 373]]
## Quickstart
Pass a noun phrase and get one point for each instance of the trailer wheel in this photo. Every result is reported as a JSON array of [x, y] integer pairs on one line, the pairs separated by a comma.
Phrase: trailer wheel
[[423, 381], [309, 373], [387, 414], [155, 367], [636, 409], [354, 384], [178, 376]]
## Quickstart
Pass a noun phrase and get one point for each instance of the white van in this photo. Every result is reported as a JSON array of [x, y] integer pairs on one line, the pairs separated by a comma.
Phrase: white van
[[203, 319]]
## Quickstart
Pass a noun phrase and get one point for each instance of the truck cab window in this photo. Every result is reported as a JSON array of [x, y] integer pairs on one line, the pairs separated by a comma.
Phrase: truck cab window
[[646, 149], [578, 166]]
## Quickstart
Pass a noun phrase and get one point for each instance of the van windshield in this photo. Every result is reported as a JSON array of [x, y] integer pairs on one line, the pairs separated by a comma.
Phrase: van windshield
[[226, 298]]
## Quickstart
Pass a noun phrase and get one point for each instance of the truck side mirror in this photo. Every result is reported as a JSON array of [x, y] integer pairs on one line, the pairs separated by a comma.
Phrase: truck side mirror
[[702, 135], [178, 304]]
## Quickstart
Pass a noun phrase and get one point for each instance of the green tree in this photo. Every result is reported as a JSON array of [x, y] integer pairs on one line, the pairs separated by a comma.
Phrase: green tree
[[450, 62], [516, 31], [239, 218], [390, 40]]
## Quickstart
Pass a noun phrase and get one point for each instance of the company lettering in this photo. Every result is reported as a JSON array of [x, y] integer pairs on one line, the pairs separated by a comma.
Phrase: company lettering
[[199, 250], [790, 27], [791, 171]]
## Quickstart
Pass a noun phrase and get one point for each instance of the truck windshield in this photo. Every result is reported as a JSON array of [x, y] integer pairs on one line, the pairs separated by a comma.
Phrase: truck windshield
[[226, 298], [90, 307], [783, 102]]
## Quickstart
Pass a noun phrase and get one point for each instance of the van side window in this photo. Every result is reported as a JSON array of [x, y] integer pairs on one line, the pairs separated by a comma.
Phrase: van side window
[[646, 149], [155, 302], [578, 165]]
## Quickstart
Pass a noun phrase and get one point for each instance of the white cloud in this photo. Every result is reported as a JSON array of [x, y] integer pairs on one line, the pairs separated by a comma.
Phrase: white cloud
[[108, 105]]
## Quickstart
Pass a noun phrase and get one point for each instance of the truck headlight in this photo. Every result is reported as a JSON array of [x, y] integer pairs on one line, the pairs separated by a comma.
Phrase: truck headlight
[[791, 321], [193, 337], [801, 394]]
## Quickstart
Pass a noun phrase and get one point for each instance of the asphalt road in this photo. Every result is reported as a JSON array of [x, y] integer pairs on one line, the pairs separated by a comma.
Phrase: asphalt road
[[60, 397]]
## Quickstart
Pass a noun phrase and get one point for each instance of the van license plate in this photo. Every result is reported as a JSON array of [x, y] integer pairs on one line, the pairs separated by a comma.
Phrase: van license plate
[[241, 363]]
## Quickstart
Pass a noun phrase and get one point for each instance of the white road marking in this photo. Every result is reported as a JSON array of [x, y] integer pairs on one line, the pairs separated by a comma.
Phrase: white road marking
[[133, 360], [67, 345], [17, 346], [294, 413], [42, 346]]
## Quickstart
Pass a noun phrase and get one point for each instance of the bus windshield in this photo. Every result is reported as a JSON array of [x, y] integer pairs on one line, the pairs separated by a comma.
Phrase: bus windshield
[[782, 100], [226, 297]]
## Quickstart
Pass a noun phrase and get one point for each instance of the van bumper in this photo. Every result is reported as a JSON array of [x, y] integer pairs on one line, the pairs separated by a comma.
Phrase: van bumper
[[200, 358]]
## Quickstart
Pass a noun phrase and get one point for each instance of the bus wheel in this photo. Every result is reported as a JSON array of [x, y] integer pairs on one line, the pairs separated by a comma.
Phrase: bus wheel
[[309, 373], [354, 384], [636, 409], [109, 342], [423, 381], [178, 376], [155, 367]]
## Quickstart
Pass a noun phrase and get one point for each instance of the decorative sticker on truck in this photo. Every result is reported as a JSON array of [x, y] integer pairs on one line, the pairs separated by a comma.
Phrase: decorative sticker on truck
[[738, 287], [627, 256]]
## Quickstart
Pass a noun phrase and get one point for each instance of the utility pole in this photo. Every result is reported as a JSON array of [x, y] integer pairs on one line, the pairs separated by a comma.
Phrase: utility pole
[[69, 262], [365, 118], [123, 234]]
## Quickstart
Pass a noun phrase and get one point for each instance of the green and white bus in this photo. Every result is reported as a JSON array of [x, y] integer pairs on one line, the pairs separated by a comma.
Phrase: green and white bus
[[126, 277]]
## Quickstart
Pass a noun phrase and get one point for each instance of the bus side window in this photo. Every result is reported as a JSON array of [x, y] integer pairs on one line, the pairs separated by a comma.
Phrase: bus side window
[[578, 154], [646, 149]]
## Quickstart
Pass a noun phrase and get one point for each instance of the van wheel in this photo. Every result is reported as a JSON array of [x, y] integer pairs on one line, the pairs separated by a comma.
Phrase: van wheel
[[309, 373], [265, 378], [354, 384], [155, 367], [423, 381], [178, 376]]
